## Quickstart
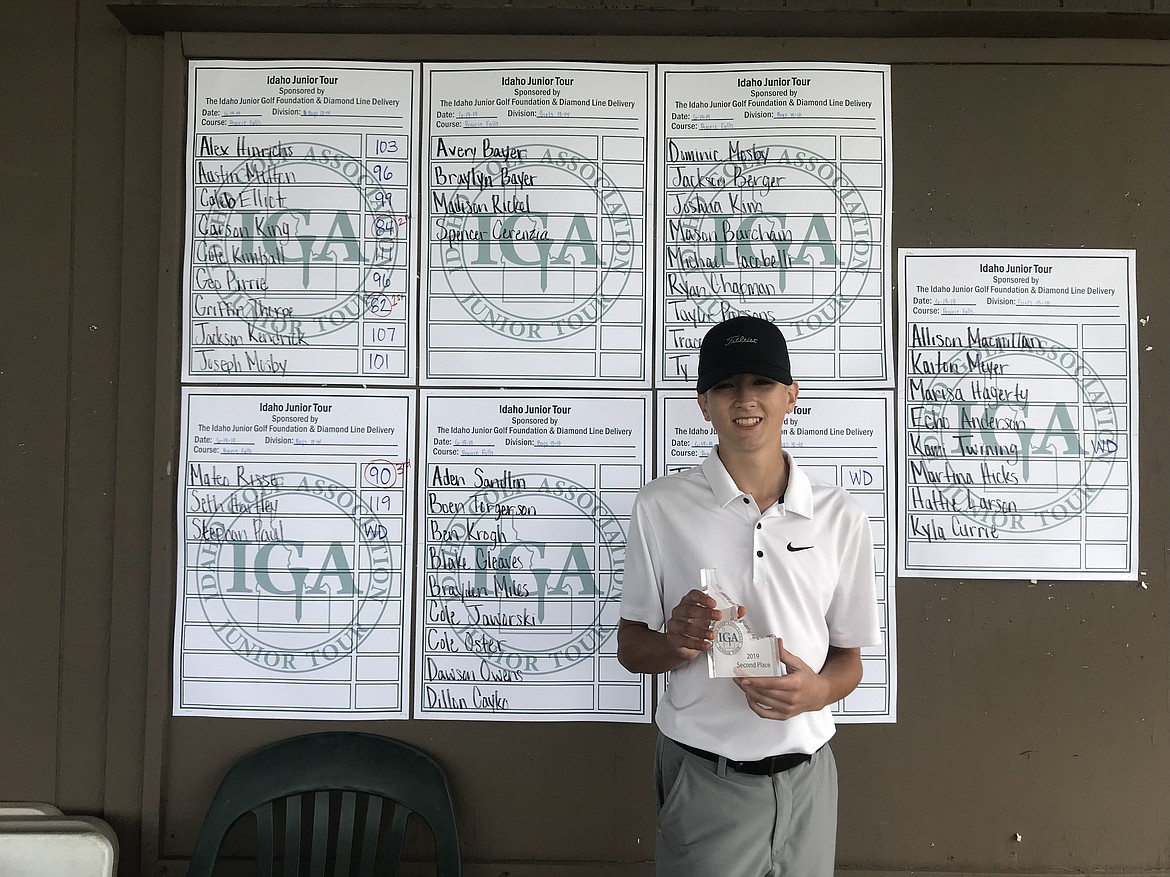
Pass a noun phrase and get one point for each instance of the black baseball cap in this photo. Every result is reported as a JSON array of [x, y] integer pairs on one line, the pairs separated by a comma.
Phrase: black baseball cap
[[743, 345]]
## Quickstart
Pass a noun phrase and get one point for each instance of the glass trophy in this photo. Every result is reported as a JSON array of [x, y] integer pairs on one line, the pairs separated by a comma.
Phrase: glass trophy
[[736, 651]]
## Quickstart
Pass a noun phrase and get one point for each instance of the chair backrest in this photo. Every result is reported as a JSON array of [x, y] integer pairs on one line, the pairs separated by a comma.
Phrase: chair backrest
[[345, 777]]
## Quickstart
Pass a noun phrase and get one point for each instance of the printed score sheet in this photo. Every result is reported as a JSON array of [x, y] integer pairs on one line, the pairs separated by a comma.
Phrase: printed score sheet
[[1018, 396], [536, 208], [524, 504], [299, 253], [838, 437], [294, 530], [775, 201], [299, 267]]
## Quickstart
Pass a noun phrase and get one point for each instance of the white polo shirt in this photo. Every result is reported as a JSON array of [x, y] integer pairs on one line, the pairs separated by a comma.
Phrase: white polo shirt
[[804, 570]]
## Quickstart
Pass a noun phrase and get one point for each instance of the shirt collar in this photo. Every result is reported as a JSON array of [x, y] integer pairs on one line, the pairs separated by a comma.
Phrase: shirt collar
[[797, 498]]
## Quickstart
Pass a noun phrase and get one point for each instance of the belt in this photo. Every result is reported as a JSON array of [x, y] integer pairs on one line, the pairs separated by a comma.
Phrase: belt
[[766, 767]]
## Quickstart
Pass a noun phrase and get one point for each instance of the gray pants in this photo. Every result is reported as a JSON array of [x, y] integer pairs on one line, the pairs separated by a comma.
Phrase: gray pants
[[714, 822]]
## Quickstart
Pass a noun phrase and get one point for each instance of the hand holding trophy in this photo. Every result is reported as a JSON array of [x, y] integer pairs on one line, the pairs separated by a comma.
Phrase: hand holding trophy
[[736, 651]]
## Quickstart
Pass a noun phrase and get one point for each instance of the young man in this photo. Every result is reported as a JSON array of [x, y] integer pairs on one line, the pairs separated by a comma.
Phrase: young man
[[747, 786]]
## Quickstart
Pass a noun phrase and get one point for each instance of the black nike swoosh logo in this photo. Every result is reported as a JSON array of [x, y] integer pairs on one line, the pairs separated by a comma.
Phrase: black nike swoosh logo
[[792, 547]]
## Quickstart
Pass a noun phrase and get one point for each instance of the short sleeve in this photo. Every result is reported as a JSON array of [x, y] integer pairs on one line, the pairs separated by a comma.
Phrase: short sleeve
[[852, 618], [641, 580]]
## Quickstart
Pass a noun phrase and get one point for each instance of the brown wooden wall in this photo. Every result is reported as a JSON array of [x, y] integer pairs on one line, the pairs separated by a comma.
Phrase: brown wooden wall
[[1038, 709]]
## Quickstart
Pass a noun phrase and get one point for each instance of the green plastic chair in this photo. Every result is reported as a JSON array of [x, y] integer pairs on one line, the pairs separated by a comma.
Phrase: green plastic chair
[[346, 777]]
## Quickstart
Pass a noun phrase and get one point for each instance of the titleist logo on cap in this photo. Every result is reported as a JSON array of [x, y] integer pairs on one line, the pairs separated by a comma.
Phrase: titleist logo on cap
[[742, 345]]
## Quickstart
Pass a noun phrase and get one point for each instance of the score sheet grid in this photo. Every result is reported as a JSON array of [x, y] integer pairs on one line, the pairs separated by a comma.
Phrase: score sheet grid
[[1020, 410], [297, 525], [536, 211], [302, 239], [775, 202], [523, 517], [306, 182], [840, 438], [300, 246], [294, 531]]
